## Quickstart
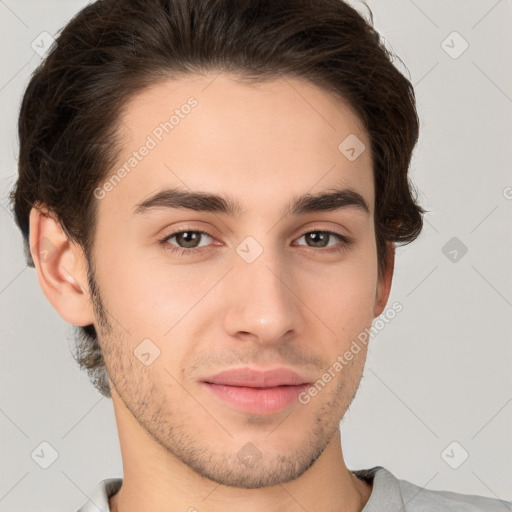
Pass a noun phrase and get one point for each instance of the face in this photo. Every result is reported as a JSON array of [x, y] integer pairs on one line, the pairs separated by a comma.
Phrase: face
[[184, 293]]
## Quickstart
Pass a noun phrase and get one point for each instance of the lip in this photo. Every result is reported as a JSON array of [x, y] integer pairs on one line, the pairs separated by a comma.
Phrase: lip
[[255, 391], [249, 377]]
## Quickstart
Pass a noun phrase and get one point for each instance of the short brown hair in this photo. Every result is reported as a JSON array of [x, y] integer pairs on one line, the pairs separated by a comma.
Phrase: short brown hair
[[114, 49]]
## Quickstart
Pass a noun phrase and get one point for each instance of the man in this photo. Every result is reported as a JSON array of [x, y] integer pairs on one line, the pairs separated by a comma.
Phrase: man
[[212, 191]]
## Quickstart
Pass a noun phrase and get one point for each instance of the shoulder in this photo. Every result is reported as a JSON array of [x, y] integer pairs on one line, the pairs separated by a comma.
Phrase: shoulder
[[391, 494], [99, 498], [419, 499]]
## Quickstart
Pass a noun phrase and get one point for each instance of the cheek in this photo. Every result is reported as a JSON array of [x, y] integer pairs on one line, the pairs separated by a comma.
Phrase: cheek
[[162, 302], [346, 302], [343, 296], [346, 307], [135, 295]]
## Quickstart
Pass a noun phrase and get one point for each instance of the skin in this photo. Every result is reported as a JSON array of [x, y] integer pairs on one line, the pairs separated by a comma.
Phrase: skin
[[294, 306]]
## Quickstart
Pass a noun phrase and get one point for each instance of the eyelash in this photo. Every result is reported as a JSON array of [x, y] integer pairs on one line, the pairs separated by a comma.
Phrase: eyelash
[[181, 251]]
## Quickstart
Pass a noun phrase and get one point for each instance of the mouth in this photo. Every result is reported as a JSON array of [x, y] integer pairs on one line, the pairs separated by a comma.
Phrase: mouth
[[255, 391]]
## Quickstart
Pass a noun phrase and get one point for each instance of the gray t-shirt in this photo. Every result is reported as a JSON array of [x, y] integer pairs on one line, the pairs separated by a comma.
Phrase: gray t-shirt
[[389, 494]]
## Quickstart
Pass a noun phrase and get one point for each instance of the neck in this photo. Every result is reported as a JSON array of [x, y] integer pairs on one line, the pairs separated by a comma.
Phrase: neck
[[327, 485], [155, 479]]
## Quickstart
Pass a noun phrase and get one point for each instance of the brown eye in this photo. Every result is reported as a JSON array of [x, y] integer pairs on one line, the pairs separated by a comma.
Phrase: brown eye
[[320, 239], [187, 241]]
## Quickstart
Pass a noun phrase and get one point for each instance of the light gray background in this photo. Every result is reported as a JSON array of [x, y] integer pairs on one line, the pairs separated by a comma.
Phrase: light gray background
[[439, 372]]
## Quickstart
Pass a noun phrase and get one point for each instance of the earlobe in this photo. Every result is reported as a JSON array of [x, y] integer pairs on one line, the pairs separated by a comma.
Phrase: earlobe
[[60, 267], [384, 285]]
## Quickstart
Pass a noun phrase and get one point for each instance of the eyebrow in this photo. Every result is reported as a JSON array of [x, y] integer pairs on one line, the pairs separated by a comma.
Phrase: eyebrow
[[331, 200]]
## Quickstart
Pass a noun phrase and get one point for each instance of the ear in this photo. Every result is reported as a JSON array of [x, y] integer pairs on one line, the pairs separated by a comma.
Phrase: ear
[[384, 284], [61, 268]]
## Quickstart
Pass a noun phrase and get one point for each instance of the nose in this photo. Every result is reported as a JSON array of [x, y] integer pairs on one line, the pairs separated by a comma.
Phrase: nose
[[262, 305]]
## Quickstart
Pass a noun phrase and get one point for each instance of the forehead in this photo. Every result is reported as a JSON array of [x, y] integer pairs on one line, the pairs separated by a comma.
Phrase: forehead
[[262, 142]]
